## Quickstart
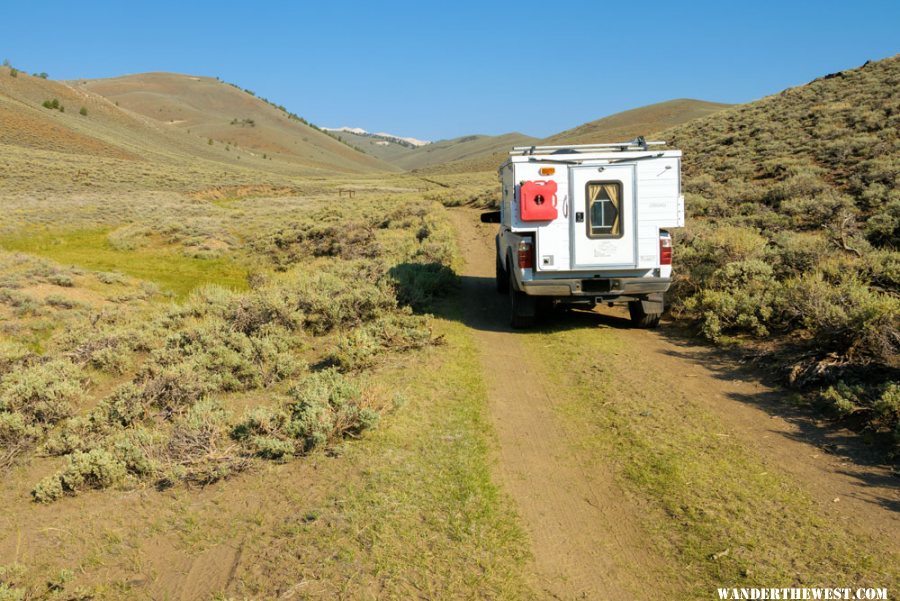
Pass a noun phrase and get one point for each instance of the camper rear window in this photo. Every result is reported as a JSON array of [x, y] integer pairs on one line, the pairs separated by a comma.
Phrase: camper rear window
[[604, 209]]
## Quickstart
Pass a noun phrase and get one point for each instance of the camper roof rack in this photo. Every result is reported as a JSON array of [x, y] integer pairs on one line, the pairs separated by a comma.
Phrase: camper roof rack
[[637, 144]]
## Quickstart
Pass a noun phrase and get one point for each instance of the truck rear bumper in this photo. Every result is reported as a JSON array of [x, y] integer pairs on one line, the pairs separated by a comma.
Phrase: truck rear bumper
[[596, 287]]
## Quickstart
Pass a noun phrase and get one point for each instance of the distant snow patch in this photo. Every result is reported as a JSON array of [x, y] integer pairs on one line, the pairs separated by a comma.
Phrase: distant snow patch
[[403, 141]]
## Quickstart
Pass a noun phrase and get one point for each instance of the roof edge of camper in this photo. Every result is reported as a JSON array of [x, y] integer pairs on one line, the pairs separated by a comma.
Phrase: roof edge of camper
[[636, 144]]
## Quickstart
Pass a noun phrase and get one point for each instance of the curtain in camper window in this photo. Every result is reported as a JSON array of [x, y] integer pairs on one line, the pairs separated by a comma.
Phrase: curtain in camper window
[[604, 209]]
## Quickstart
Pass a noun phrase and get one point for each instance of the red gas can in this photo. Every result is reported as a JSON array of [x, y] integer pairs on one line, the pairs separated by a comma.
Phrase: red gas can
[[537, 200]]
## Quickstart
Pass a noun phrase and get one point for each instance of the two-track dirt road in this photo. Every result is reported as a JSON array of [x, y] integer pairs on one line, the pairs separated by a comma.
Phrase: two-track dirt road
[[587, 535]]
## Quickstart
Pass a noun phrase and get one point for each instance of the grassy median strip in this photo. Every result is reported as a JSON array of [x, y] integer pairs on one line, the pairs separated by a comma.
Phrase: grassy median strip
[[414, 513]]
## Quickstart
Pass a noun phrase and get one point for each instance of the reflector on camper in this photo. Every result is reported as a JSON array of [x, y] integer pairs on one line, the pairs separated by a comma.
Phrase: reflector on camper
[[537, 200]]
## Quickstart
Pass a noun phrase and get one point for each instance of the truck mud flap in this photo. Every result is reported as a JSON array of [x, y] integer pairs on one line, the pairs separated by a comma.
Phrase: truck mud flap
[[654, 303]]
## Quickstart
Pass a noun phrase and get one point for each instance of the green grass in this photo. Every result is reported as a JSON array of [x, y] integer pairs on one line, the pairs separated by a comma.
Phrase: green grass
[[90, 249], [423, 520], [715, 507]]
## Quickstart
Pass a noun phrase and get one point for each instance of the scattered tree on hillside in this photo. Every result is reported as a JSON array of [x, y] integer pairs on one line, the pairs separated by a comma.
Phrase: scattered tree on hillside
[[53, 104]]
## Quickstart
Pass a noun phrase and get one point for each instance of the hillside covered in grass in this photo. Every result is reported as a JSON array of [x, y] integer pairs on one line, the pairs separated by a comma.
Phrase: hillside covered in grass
[[59, 136], [471, 148], [641, 121], [794, 233], [465, 148], [627, 125], [225, 113]]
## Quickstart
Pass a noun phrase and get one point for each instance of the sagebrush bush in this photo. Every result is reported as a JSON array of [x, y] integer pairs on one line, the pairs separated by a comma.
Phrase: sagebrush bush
[[96, 469], [327, 406], [12, 354], [15, 434], [842, 398], [175, 388], [361, 347], [804, 182], [198, 450], [420, 284], [212, 356], [339, 297], [44, 393], [887, 407], [125, 407], [356, 350], [262, 310], [264, 432], [740, 296], [883, 402], [81, 433], [845, 316]]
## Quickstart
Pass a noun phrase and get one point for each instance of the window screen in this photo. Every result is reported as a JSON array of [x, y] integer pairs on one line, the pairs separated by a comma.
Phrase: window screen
[[604, 209]]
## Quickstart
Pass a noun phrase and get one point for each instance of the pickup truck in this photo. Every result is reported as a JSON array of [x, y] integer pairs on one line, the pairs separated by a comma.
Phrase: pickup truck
[[587, 224]]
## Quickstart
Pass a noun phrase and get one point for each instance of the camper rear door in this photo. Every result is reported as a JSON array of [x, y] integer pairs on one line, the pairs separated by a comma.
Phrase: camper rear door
[[602, 216]]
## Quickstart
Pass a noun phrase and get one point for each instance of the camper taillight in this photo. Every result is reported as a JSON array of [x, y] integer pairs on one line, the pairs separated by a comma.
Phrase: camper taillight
[[665, 248], [526, 255]]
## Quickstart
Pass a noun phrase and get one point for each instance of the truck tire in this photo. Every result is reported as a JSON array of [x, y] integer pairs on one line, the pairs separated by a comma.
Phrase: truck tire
[[640, 318], [501, 277], [521, 306], [543, 308]]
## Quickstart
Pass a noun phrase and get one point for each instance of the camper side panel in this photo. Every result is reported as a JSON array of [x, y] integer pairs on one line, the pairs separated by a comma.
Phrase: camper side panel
[[658, 205]]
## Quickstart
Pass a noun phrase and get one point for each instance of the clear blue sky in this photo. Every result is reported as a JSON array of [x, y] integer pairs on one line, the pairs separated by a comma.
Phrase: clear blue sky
[[443, 69]]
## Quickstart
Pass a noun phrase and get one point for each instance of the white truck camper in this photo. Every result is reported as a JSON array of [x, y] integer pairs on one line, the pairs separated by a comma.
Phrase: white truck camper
[[588, 224]]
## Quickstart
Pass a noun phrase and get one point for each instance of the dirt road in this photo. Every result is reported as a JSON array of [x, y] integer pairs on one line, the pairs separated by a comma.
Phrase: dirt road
[[588, 539]]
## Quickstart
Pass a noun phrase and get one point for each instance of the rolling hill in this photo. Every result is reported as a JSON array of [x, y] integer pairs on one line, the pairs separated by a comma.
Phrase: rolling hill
[[641, 121], [465, 148], [223, 112], [388, 149], [408, 157], [646, 120], [160, 131]]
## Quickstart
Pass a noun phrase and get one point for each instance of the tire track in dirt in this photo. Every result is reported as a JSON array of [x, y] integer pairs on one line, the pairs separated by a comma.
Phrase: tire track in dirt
[[584, 532], [846, 482], [586, 539]]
